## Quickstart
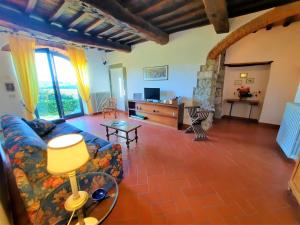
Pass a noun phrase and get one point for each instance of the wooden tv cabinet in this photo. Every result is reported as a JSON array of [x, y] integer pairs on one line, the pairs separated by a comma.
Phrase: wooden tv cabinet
[[166, 114]]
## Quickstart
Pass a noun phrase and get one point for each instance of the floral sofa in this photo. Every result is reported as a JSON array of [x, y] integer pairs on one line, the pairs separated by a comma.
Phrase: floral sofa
[[27, 155]]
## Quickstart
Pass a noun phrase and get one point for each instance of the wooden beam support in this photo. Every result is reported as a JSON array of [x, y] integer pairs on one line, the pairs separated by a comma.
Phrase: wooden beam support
[[216, 11], [80, 18], [114, 10], [269, 26], [187, 25], [95, 24], [193, 15], [24, 22], [174, 14], [288, 21], [248, 64], [127, 37], [60, 10], [273, 16], [155, 7], [30, 6]]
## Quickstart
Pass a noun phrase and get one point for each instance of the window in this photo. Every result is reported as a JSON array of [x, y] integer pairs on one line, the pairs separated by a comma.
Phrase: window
[[58, 94]]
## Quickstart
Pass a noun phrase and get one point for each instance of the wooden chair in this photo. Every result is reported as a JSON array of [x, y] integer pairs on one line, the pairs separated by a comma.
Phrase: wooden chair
[[110, 105]]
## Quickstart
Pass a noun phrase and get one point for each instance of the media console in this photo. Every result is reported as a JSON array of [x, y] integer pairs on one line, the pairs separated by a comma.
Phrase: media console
[[166, 114]]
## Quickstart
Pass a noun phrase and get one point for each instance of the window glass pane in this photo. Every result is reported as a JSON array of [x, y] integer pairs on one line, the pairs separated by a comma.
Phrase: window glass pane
[[67, 85], [47, 107]]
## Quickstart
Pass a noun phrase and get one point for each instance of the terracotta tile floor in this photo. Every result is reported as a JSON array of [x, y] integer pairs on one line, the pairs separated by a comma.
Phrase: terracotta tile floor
[[239, 176]]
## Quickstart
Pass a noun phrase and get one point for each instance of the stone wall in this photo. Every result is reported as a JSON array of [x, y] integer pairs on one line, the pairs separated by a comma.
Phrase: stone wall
[[218, 102]]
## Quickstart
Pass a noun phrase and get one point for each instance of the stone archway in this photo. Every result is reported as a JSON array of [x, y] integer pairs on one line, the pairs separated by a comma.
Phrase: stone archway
[[210, 78]]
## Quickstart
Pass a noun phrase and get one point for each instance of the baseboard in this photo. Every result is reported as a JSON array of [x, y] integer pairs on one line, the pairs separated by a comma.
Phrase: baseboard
[[239, 118], [274, 126]]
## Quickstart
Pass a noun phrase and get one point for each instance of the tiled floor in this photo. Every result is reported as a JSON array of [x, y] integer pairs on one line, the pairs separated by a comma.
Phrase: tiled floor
[[239, 176]]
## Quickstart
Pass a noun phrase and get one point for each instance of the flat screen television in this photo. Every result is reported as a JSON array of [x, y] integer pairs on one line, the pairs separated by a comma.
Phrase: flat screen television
[[152, 94]]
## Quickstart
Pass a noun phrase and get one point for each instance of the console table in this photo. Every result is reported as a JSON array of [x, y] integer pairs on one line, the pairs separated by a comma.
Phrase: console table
[[243, 101], [166, 114]]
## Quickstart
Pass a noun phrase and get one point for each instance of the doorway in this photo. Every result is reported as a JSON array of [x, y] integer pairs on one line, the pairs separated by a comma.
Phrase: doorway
[[58, 94], [118, 87]]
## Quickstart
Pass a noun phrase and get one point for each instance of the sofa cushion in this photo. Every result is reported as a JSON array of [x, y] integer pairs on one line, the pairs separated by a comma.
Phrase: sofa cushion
[[40, 126], [61, 129], [18, 134]]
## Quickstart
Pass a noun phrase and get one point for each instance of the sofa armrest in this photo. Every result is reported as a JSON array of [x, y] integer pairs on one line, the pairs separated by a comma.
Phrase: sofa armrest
[[31, 202], [110, 161]]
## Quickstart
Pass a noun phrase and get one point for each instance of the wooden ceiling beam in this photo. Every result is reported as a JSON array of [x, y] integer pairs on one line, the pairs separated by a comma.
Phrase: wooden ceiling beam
[[30, 6], [187, 25], [25, 22], [120, 34], [127, 37], [216, 11], [95, 24], [288, 21], [60, 10], [114, 10], [79, 19], [189, 7], [108, 30], [156, 7], [189, 16]]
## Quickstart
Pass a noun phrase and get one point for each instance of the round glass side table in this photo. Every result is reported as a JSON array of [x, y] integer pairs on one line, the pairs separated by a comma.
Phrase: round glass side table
[[52, 211]]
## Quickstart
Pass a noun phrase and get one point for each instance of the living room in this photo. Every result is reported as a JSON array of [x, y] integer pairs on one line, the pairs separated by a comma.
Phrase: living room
[[179, 112]]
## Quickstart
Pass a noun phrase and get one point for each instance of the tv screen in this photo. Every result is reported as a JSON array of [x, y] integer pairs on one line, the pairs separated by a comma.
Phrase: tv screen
[[152, 93]]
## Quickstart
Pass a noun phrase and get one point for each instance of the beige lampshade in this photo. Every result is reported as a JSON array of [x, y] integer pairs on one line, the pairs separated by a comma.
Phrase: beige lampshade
[[66, 153]]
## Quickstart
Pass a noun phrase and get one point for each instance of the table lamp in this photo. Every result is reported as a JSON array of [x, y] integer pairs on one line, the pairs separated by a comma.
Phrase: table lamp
[[66, 154]]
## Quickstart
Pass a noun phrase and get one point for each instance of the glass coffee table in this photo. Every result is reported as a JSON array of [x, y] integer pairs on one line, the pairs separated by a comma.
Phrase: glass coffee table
[[120, 125], [52, 211]]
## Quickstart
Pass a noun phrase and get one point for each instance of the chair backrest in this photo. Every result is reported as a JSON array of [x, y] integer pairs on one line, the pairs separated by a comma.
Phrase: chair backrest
[[111, 102]]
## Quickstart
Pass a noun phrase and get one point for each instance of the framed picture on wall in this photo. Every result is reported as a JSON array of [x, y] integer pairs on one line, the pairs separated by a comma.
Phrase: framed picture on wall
[[155, 73], [238, 82], [250, 81], [243, 75]]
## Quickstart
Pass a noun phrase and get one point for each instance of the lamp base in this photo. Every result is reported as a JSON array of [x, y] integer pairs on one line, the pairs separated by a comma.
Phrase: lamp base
[[89, 221], [72, 204]]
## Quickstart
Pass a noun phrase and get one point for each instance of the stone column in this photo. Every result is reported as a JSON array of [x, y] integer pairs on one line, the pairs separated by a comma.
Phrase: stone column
[[209, 90], [219, 87], [204, 92]]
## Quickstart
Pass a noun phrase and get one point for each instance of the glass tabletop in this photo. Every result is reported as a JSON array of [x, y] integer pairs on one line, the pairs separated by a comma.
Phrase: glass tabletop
[[120, 125], [52, 211]]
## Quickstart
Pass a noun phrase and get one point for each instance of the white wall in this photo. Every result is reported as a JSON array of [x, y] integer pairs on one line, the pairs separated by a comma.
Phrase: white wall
[[280, 44], [98, 72], [184, 54], [10, 102], [261, 78]]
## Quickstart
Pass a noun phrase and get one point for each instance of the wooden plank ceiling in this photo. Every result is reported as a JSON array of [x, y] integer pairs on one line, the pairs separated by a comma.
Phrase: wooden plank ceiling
[[119, 24]]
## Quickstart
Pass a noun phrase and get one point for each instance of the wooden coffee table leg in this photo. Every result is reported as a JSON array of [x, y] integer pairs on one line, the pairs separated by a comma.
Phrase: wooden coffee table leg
[[127, 140], [136, 136], [107, 134]]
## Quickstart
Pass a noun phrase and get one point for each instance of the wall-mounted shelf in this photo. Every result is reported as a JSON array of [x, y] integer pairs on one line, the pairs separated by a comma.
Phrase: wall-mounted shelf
[[248, 64]]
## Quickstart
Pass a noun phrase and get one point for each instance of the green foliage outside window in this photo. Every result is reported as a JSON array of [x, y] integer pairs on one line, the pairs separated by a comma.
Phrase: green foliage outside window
[[47, 103]]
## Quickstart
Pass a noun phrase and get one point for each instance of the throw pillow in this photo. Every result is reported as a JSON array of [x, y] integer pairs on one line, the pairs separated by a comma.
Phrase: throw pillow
[[40, 126]]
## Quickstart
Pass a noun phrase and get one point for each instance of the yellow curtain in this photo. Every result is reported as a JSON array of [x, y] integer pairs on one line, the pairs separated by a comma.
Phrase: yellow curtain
[[79, 62], [23, 54]]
